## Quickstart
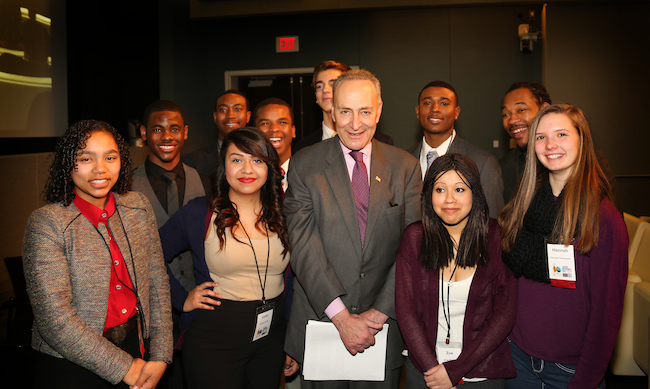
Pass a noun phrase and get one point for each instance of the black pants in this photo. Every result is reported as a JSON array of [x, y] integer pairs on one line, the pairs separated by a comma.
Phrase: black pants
[[219, 352], [53, 373]]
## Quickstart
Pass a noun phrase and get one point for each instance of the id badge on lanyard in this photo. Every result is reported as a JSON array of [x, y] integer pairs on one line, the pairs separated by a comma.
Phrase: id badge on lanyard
[[448, 352], [264, 320], [561, 265]]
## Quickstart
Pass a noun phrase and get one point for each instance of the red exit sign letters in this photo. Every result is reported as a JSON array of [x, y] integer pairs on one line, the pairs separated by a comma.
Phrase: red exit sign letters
[[286, 44]]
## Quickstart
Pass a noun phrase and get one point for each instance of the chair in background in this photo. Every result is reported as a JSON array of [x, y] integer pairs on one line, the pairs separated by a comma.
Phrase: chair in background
[[622, 361], [642, 308], [19, 310], [641, 324], [635, 228], [16, 354]]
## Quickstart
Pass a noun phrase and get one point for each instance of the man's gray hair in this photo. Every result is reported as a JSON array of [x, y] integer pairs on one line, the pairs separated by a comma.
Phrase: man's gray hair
[[358, 74]]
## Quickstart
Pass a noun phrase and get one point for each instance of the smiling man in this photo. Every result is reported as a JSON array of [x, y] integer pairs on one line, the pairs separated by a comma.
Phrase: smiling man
[[349, 199], [520, 105], [275, 117], [168, 183], [231, 112], [325, 73], [522, 102], [437, 111]]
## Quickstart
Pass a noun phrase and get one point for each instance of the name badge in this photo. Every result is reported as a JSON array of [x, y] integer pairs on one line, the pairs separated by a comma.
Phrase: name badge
[[264, 319], [561, 265], [448, 352]]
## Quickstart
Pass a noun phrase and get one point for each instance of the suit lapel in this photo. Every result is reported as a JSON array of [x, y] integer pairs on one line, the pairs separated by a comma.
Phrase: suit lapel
[[339, 181], [380, 176], [457, 146]]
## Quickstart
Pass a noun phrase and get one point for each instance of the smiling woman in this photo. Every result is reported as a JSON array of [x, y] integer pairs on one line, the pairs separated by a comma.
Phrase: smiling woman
[[86, 336], [97, 168], [562, 203], [233, 320]]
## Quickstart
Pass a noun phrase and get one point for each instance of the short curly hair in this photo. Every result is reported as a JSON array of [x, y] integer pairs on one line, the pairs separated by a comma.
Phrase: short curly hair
[[59, 186]]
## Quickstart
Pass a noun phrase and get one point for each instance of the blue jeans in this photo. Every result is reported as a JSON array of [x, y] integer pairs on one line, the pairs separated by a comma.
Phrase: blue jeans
[[537, 373]]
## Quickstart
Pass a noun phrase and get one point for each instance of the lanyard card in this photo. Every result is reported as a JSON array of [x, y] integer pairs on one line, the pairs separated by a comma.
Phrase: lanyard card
[[264, 319], [448, 352], [561, 265]]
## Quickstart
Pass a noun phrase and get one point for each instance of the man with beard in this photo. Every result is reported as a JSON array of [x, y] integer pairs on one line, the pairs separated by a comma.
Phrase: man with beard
[[523, 100]]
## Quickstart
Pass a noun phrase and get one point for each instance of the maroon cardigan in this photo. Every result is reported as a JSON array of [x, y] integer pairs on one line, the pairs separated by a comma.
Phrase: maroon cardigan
[[489, 317]]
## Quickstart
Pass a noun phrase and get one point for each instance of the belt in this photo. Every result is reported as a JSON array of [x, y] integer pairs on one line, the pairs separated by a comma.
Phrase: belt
[[118, 333]]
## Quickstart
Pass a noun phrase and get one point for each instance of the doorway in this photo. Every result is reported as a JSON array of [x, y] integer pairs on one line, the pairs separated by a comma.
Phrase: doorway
[[290, 85]]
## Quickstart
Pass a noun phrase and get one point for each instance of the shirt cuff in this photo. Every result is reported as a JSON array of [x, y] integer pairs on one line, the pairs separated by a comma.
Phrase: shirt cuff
[[334, 308]]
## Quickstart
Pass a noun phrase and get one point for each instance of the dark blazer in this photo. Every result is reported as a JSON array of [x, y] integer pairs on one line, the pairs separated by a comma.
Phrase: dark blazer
[[491, 179], [205, 160], [512, 165], [316, 137], [327, 256], [186, 230], [489, 317]]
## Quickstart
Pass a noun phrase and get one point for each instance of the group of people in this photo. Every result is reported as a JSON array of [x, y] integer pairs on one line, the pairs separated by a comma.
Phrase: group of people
[[229, 251]]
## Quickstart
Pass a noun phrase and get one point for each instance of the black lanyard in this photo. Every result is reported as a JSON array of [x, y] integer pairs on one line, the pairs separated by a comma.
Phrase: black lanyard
[[447, 312], [268, 254]]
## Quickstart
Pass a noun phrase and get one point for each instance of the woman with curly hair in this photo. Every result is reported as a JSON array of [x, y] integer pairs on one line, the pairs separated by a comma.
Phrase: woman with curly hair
[[567, 244], [94, 270], [233, 321], [455, 299]]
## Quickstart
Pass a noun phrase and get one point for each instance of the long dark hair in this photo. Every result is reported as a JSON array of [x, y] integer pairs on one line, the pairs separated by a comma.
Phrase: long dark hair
[[59, 186], [252, 141], [437, 246]]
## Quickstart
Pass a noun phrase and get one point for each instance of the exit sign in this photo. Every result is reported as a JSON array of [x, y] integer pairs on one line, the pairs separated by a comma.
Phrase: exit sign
[[286, 44]]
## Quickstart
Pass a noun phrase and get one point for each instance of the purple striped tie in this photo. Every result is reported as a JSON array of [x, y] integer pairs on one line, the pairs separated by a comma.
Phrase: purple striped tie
[[361, 191]]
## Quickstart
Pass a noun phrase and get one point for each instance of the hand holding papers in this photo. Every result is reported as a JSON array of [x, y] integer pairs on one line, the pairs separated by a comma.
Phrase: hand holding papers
[[326, 357]]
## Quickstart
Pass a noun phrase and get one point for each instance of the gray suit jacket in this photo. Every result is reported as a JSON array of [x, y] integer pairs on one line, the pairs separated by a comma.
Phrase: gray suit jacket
[[491, 179], [327, 256]]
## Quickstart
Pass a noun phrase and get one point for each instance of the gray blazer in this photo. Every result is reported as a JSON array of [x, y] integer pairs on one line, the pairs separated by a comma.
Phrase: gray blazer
[[327, 256], [491, 179], [68, 269]]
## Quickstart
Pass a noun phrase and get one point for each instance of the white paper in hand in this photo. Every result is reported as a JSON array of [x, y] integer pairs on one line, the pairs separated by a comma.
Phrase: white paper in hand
[[327, 359]]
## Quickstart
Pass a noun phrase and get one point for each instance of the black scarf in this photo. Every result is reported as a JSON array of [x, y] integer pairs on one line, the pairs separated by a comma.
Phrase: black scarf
[[528, 256]]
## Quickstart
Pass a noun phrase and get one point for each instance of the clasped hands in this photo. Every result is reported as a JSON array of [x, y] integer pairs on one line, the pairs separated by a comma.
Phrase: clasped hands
[[437, 378], [358, 331], [143, 374]]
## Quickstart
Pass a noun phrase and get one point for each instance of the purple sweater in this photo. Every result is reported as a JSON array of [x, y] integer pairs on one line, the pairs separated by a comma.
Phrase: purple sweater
[[489, 316], [579, 326]]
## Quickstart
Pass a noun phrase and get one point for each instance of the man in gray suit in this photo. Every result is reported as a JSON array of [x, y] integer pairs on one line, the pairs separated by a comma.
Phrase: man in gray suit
[[349, 199], [437, 111]]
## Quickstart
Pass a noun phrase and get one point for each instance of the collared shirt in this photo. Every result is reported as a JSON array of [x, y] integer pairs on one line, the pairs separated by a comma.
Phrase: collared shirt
[[285, 167], [350, 162], [441, 150], [159, 183], [327, 132], [121, 297]]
